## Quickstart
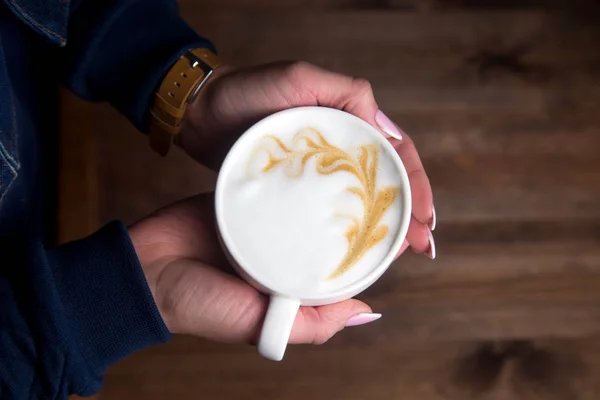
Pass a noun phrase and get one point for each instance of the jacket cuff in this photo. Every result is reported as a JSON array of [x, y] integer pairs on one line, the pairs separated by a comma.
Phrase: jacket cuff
[[108, 306], [123, 57]]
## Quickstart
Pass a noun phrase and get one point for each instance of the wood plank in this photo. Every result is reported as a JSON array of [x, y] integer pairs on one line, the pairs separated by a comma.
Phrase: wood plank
[[515, 188], [551, 369], [524, 231], [535, 173], [78, 180], [453, 134]]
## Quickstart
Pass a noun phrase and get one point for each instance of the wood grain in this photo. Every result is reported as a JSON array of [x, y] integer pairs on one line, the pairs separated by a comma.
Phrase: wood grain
[[545, 369], [78, 171]]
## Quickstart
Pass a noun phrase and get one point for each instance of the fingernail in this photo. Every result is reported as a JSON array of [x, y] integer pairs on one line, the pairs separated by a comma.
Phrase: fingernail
[[433, 222], [362, 318], [386, 125], [431, 250]]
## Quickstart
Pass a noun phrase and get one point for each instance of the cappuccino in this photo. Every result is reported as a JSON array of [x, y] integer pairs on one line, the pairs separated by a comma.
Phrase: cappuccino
[[312, 207]]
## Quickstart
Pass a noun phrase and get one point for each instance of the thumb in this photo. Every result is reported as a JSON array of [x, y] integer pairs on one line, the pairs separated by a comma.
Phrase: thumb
[[194, 298], [317, 325]]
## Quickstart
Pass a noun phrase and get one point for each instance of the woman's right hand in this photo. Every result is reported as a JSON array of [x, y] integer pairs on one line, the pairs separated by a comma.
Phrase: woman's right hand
[[197, 293]]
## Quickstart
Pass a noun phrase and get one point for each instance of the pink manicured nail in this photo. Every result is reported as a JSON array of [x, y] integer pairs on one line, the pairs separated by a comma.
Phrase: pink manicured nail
[[431, 250], [433, 222], [387, 125], [363, 318]]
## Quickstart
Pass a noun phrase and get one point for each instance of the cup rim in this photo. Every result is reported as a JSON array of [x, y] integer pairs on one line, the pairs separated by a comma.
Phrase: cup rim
[[346, 291]]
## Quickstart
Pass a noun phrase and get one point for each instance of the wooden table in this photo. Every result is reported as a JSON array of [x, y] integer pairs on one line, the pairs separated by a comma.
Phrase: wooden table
[[504, 106]]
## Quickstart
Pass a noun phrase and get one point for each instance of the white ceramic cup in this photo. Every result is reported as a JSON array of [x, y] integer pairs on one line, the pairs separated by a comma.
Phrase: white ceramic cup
[[284, 306]]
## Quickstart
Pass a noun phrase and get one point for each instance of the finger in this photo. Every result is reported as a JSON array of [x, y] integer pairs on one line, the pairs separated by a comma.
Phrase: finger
[[316, 325], [422, 196], [216, 306], [203, 301], [418, 236]]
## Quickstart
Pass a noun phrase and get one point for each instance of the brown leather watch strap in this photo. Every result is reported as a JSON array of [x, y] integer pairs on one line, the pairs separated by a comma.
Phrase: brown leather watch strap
[[178, 89]]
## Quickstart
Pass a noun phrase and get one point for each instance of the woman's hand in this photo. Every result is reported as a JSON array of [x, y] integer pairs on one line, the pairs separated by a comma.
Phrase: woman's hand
[[197, 293], [235, 99]]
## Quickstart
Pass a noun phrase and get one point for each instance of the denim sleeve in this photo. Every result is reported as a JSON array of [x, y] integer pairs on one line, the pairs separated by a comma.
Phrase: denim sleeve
[[68, 313], [119, 50]]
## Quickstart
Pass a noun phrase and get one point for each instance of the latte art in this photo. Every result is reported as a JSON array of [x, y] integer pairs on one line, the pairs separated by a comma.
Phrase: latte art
[[363, 233], [312, 203]]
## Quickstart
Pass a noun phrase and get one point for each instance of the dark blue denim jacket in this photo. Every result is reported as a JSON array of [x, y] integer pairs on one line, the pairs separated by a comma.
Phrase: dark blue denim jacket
[[68, 312]]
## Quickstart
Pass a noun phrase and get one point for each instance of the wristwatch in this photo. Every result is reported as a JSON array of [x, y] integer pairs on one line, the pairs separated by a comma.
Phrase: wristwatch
[[179, 88]]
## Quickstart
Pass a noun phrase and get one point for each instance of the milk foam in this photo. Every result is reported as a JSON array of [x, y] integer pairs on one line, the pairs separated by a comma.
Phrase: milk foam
[[290, 232]]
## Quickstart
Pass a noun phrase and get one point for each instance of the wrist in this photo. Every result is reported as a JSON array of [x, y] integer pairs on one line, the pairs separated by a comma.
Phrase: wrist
[[180, 86], [196, 134], [160, 241], [152, 252]]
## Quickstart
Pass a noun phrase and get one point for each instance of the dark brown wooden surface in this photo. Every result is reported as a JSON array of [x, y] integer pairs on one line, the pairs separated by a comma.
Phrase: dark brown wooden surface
[[504, 106], [346, 369], [78, 170]]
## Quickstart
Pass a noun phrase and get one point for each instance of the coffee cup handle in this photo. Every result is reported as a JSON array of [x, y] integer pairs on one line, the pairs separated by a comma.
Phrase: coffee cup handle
[[277, 327]]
